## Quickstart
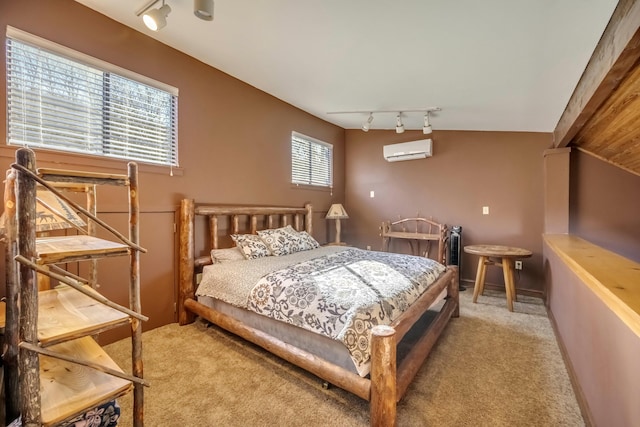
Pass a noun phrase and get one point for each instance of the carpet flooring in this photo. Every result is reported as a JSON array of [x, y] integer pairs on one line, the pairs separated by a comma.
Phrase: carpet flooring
[[490, 367]]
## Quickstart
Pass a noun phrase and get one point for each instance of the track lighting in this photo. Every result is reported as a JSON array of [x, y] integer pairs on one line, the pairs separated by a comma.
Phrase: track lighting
[[427, 129], [203, 9], [366, 125], [156, 19], [399, 125]]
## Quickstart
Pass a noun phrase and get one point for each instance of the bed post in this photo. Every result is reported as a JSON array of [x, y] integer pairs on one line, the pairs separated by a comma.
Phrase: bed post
[[383, 377], [308, 218], [186, 259], [453, 290]]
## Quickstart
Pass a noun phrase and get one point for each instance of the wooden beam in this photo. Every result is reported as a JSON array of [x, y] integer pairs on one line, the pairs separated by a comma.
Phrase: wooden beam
[[186, 254], [616, 53]]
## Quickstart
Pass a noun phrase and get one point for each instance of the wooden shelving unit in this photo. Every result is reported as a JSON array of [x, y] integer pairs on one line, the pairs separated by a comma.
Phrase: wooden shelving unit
[[54, 368]]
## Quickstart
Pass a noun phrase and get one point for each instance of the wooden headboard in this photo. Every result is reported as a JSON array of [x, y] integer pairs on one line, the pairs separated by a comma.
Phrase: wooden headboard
[[256, 217]]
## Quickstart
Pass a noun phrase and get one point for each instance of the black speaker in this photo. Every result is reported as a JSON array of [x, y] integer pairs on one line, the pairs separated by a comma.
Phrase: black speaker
[[455, 250]]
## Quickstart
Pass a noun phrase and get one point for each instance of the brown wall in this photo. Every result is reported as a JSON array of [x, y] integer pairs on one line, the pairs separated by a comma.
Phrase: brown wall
[[601, 349], [468, 170], [604, 205], [234, 141]]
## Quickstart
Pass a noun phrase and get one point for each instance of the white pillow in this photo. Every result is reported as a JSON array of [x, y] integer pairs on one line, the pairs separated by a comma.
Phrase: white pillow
[[281, 241], [308, 241], [251, 245]]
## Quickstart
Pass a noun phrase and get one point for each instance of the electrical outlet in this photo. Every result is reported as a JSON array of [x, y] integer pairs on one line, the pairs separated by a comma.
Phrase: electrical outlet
[[518, 265], [368, 247]]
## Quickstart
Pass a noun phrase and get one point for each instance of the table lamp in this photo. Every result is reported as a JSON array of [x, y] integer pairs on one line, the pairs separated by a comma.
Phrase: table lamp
[[337, 212]]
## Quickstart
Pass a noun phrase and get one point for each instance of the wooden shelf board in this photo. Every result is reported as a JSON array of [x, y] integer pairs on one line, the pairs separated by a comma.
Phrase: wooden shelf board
[[64, 313], [614, 278], [58, 249], [51, 174], [68, 389], [409, 235]]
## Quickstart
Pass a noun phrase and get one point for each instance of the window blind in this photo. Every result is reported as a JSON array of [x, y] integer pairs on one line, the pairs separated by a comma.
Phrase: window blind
[[61, 103], [311, 161]]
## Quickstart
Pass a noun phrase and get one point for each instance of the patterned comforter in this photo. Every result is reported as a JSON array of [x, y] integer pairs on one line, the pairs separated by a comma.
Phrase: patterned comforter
[[343, 295]]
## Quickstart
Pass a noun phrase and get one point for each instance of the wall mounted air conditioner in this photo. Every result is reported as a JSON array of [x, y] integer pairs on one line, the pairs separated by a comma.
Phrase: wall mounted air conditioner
[[408, 150]]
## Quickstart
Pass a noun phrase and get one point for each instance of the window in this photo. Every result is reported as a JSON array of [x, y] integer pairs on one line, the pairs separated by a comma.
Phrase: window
[[63, 100], [311, 161]]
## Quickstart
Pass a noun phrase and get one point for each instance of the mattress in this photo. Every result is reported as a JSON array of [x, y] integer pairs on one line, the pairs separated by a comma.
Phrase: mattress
[[323, 301]]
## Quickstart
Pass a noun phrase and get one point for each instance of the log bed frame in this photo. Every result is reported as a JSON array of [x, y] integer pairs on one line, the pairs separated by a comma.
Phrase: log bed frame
[[388, 380]]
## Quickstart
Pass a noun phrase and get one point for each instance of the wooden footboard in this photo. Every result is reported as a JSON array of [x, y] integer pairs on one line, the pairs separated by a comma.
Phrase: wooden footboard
[[387, 383]]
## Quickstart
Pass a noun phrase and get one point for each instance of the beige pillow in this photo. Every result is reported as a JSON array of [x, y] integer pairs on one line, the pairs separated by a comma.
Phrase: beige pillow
[[219, 256]]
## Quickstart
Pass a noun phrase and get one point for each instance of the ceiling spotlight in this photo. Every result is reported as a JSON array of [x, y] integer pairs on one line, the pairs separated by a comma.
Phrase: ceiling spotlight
[[399, 125], [203, 9], [366, 125], [427, 129], [156, 19]]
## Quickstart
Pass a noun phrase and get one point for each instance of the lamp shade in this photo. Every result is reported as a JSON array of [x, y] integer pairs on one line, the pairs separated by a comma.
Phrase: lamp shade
[[52, 213], [336, 211]]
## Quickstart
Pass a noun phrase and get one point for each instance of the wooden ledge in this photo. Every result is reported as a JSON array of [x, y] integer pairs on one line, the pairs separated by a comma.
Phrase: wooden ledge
[[612, 277]]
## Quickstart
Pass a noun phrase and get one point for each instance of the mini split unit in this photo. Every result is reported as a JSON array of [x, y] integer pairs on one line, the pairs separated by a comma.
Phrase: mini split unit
[[411, 150]]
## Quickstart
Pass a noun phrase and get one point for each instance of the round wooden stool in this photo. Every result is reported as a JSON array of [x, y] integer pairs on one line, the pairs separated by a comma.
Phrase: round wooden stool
[[488, 256]]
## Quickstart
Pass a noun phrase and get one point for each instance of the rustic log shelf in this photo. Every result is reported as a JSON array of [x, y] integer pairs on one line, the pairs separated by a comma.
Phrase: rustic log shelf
[[54, 368]]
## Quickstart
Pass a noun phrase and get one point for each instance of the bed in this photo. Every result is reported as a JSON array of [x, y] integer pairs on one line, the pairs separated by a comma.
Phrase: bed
[[308, 325]]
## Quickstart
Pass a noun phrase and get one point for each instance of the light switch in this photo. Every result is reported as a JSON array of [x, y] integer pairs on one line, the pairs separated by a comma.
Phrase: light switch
[[372, 194], [485, 210]]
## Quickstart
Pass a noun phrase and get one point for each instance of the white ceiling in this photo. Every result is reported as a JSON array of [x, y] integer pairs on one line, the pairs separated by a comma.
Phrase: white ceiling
[[500, 65]]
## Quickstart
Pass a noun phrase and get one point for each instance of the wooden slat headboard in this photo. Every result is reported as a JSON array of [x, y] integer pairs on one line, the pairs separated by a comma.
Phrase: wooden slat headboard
[[273, 217], [299, 218]]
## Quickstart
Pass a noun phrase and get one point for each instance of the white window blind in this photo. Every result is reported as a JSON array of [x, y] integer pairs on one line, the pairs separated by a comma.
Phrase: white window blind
[[62, 103], [311, 161]]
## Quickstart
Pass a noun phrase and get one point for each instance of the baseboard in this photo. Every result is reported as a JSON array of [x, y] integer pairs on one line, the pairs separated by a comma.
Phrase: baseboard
[[577, 390], [495, 287]]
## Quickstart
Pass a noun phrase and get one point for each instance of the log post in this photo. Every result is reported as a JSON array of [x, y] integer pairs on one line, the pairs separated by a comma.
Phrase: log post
[[453, 290], [92, 230], [134, 295], [383, 377], [213, 231], [308, 218], [11, 337], [186, 253], [235, 224], [29, 361]]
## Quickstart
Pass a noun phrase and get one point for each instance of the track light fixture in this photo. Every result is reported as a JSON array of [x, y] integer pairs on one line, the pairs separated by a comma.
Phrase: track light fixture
[[427, 129], [203, 9], [366, 125], [156, 19], [399, 125]]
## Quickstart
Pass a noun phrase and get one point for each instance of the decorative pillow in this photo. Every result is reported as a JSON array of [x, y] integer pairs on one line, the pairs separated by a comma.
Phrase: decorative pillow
[[308, 241], [251, 245], [282, 241], [225, 255]]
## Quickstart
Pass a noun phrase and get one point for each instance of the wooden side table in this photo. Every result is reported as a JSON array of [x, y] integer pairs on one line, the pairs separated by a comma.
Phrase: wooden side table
[[489, 255]]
